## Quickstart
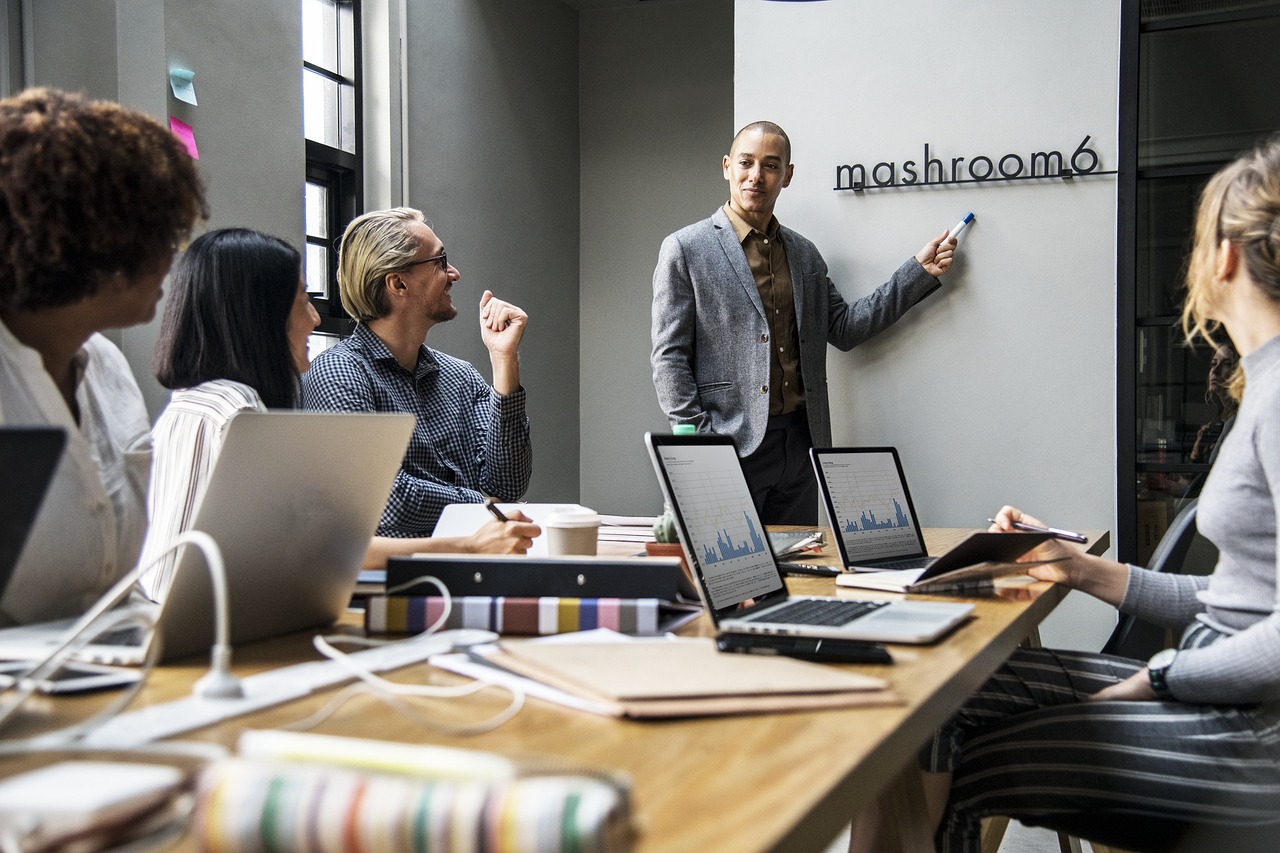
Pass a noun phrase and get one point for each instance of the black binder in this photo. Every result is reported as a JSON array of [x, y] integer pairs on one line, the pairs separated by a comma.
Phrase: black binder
[[533, 577]]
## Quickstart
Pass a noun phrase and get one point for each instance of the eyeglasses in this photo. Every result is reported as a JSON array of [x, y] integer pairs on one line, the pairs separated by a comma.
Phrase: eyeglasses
[[443, 258]]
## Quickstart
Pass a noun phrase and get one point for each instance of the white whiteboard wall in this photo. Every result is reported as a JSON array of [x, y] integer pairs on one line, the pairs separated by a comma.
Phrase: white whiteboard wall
[[1001, 387]]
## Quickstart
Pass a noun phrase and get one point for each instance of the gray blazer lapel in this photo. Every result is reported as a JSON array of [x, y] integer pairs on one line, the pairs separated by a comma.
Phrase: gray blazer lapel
[[737, 259]]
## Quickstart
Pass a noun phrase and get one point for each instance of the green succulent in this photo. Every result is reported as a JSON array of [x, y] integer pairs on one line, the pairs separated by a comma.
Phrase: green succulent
[[664, 529]]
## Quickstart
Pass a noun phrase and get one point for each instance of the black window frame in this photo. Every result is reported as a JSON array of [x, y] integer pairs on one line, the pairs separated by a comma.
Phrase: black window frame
[[340, 172]]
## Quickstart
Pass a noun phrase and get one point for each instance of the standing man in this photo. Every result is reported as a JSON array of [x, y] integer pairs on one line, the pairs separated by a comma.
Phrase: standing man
[[471, 440], [742, 313]]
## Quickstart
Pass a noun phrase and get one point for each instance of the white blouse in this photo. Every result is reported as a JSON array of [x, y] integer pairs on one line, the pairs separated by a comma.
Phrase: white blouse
[[93, 518], [187, 437]]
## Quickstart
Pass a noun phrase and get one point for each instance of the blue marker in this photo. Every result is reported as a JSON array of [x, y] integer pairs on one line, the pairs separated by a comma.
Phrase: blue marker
[[959, 228]]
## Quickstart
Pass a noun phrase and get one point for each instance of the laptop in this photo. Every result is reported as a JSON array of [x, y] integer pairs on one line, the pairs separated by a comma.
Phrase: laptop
[[28, 458], [875, 523], [738, 576], [292, 503]]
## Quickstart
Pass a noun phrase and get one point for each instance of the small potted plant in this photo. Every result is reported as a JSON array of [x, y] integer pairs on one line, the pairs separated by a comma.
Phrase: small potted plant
[[667, 542]]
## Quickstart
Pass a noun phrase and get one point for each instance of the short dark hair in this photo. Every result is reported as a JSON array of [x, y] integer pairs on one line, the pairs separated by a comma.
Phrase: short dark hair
[[230, 298], [88, 189], [769, 129]]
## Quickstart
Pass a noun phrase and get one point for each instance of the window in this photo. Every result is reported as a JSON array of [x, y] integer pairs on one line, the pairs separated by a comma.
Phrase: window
[[332, 127]]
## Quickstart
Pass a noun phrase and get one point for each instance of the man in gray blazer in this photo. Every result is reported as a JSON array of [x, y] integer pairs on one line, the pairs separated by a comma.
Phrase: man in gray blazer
[[742, 313]]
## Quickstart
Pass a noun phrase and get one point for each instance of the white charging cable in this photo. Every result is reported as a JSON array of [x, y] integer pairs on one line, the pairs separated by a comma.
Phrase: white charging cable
[[390, 692], [219, 682]]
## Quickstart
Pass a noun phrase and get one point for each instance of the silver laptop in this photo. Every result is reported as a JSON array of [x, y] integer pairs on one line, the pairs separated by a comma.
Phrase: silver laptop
[[875, 524], [292, 502], [739, 579], [869, 505]]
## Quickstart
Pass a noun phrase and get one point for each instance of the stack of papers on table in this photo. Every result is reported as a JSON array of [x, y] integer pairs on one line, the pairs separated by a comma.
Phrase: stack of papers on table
[[627, 528], [655, 678]]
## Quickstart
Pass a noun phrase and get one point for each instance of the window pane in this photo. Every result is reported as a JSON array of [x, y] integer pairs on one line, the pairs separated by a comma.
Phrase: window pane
[[317, 269], [347, 119], [320, 109], [317, 223], [320, 33]]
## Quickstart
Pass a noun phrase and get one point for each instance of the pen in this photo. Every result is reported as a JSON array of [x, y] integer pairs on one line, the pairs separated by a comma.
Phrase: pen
[[493, 510], [1058, 533]]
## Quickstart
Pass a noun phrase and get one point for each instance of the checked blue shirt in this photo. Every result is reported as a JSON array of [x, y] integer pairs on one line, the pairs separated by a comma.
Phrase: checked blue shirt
[[469, 441]]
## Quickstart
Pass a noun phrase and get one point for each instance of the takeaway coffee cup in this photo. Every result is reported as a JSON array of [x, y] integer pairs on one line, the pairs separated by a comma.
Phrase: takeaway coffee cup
[[571, 531]]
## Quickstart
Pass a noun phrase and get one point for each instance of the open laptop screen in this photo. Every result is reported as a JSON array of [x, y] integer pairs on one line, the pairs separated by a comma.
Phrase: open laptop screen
[[868, 503], [723, 534]]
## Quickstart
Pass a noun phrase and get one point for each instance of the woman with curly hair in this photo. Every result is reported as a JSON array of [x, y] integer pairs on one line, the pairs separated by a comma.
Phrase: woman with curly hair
[[94, 200]]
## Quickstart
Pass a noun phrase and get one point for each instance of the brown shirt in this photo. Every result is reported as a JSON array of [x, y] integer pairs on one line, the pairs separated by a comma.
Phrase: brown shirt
[[767, 259]]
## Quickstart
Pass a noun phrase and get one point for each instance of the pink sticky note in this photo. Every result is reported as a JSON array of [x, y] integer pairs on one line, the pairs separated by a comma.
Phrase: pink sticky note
[[187, 134]]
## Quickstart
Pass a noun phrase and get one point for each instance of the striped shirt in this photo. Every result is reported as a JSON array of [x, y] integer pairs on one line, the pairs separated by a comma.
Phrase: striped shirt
[[469, 440], [187, 439]]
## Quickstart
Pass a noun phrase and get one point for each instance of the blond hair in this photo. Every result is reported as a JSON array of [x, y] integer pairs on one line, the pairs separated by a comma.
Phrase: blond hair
[[374, 245], [1241, 203]]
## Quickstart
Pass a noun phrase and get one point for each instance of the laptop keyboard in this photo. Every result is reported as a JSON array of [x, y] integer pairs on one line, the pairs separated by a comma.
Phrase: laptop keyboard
[[819, 611]]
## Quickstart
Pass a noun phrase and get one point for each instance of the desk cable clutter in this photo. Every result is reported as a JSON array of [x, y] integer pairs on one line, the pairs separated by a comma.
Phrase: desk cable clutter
[[101, 618]]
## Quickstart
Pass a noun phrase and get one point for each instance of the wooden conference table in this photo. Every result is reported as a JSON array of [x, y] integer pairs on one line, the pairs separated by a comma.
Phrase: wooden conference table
[[783, 782]]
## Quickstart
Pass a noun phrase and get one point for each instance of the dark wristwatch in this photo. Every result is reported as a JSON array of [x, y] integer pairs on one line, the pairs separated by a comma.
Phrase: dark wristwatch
[[1156, 669]]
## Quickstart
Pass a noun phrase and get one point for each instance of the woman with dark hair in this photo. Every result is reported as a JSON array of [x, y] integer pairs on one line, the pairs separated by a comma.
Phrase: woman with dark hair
[[234, 339], [93, 200]]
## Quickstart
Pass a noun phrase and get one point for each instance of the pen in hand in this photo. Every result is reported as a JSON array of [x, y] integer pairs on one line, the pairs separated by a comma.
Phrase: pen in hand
[[494, 511], [1057, 533]]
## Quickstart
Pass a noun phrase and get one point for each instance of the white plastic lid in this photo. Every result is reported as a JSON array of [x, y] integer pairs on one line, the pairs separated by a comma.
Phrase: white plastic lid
[[573, 518]]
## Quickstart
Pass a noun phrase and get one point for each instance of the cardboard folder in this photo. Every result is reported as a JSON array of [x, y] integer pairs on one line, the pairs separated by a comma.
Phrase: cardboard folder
[[687, 678]]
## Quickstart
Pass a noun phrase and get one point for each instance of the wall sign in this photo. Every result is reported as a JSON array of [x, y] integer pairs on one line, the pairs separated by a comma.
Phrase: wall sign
[[933, 170]]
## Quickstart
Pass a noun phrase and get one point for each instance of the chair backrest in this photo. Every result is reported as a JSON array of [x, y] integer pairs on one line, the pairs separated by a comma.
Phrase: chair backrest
[[1133, 637]]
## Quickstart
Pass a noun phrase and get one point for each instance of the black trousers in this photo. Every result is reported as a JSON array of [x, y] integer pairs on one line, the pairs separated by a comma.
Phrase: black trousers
[[780, 475]]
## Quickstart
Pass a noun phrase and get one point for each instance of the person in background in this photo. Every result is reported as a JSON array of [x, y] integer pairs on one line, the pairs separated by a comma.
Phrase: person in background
[[471, 440], [1222, 369], [234, 339], [743, 311], [1134, 753], [94, 199]]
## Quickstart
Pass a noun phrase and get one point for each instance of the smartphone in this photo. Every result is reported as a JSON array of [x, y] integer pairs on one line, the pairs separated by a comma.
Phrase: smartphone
[[81, 801], [74, 677], [805, 648]]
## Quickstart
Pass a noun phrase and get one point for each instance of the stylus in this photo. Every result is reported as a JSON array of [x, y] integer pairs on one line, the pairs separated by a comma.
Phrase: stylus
[[1057, 533]]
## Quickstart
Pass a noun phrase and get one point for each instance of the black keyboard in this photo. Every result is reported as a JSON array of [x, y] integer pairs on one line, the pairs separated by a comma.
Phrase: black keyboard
[[818, 611]]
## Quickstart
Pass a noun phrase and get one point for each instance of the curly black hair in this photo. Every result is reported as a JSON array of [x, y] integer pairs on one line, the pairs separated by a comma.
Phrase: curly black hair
[[88, 189]]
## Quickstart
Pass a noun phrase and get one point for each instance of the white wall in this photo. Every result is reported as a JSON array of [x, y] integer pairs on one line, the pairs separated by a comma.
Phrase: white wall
[[492, 159], [1001, 387]]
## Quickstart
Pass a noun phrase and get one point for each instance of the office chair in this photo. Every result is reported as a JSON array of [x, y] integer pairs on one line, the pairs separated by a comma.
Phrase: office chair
[[1132, 637]]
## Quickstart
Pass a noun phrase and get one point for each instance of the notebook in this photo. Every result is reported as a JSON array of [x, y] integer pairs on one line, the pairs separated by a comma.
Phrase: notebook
[[28, 458], [876, 528], [292, 502], [738, 577]]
